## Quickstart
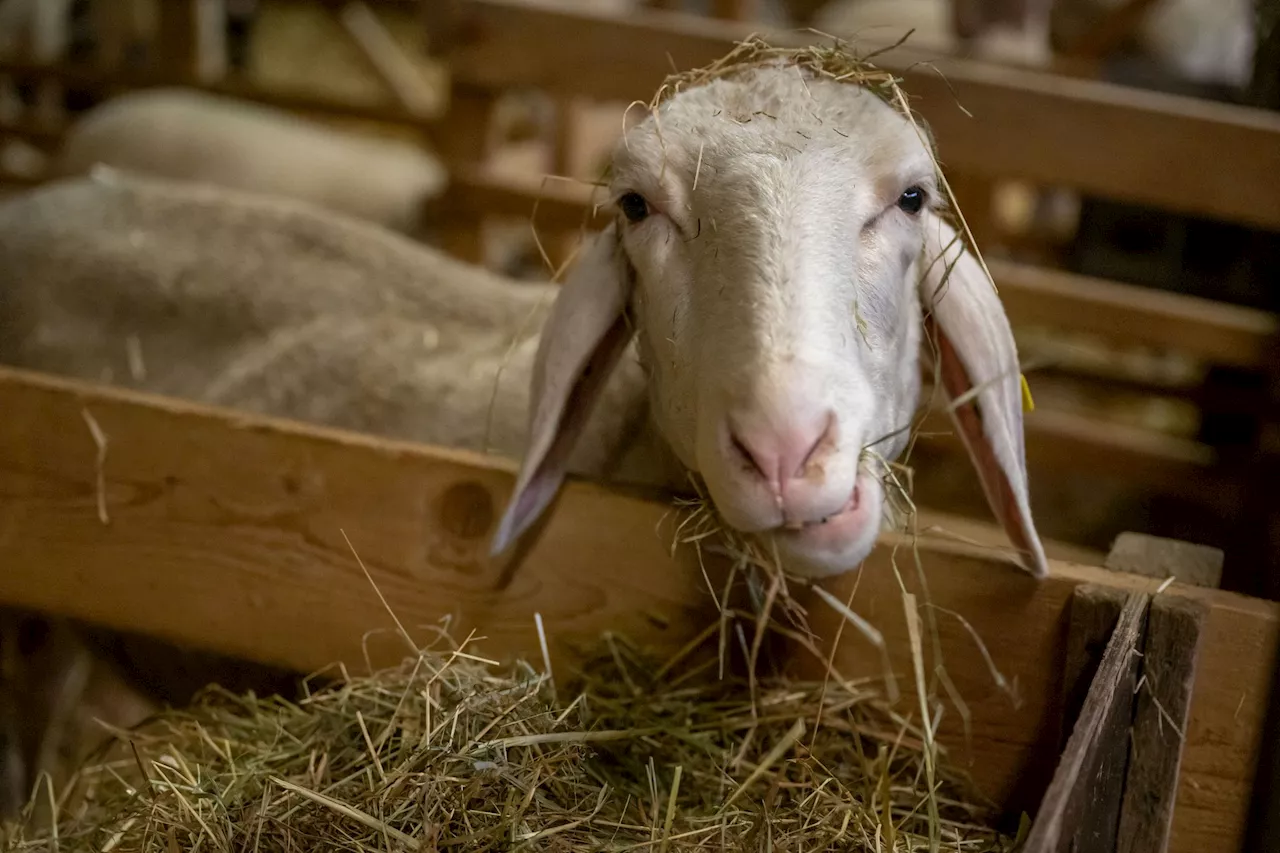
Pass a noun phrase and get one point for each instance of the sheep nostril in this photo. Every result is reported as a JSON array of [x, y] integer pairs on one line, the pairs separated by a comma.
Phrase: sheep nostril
[[746, 456], [820, 448]]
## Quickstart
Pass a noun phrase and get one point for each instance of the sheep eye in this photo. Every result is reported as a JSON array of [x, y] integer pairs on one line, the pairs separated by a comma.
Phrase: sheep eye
[[912, 200], [634, 207]]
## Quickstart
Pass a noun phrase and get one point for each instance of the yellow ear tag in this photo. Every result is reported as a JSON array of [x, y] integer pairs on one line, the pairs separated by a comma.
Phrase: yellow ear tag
[[1028, 405]]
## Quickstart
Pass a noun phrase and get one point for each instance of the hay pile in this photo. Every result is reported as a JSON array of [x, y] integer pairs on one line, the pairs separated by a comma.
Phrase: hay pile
[[444, 753]]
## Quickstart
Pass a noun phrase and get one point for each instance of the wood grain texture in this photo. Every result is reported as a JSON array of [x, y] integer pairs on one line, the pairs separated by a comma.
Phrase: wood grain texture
[[1014, 741], [1081, 808], [1158, 557], [1093, 615], [1169, 658], [1113, 141], [226, 533]]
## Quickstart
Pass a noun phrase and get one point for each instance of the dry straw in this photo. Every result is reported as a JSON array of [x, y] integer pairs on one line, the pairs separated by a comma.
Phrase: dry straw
[[448, 752]]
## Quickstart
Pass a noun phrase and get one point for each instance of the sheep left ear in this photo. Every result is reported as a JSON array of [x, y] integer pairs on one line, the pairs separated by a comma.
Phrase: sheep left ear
[[974, 346], [584, 337]]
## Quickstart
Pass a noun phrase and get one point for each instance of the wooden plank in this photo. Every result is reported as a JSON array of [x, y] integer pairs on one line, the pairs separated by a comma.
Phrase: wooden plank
[[1081, 807], [468, 141], [1169, 658], [1013, 740], [1067, 441], [387, 59], [93, 78], [1093, 615], [1158, 557], [178, 43], [1216, 331], [1109, 140], [1109, 33], [226, 533], [1263, 831]]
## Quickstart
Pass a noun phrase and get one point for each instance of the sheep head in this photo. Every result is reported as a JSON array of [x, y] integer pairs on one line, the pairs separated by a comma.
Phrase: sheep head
[[775, 234]]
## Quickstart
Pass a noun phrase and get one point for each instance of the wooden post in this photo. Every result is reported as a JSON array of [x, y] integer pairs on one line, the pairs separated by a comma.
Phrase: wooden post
[[1157, 557], [734, 10], [386, 58], [176, 39], [465, 139], [49, 26], [1124, 752], [210, 61], [1081, 808], [1092, 619], [1169, 655], [466, 142]]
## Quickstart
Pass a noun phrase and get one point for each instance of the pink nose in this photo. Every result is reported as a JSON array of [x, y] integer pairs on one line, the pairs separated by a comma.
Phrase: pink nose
[[782, 453]]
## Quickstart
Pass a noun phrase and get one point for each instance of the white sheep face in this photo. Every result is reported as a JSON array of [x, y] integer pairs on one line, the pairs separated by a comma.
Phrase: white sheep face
[[772, 224], [767, 251]]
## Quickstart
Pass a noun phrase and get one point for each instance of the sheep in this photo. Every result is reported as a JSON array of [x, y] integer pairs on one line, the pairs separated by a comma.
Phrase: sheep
[[755, 315], [275, 306], [197, 136], [771, 231], [784, 380]]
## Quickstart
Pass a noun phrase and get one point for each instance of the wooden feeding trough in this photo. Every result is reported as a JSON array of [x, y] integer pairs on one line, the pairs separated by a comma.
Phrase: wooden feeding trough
[[234, 534], [1134, 708]]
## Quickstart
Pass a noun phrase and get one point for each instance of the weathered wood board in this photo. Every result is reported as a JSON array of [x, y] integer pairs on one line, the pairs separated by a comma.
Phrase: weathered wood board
[[229, 532], [1111, 140]]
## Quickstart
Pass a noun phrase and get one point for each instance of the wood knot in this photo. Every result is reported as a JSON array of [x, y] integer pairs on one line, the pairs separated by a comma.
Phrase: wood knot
[[466, 510]]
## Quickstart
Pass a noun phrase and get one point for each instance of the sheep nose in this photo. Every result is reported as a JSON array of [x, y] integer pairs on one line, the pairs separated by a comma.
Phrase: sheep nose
[[782, 453]]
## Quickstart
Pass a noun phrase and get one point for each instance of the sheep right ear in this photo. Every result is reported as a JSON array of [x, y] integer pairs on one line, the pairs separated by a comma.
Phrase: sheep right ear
[[584, 337], [978, 365]]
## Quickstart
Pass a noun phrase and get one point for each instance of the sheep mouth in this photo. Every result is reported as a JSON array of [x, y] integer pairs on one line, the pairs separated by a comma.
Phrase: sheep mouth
[[850, 506], [847, 524]]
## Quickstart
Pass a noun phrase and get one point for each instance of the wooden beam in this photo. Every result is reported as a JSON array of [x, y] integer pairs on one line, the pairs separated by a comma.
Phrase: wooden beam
[[228, 532], [1104, 139], [178, 43], [1081, 808], [1160, 558], [1067, 441], [1092, 617], [91, 77], [1013, 742], [1109, 33], [251, 534], [1218, 332], [1169, 657], [387, 59]]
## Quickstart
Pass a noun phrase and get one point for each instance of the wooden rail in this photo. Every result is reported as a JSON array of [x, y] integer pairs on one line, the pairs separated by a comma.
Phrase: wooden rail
[[93, 78], [1108, 140], [229, 532]]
